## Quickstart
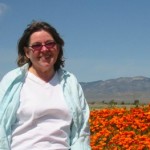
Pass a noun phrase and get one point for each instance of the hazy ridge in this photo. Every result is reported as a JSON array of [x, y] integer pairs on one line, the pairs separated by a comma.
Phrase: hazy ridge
[[126, 89]]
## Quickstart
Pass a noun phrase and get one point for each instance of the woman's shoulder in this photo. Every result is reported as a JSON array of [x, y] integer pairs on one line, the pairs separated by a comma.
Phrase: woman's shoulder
[[9, 74], [13, 74], [67, 75]]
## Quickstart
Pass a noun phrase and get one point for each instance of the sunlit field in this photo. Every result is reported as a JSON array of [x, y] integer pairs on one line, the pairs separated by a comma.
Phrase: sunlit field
[[120, 128]]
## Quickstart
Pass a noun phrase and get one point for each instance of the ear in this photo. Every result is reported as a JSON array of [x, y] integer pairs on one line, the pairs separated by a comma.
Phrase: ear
[[26, 51]]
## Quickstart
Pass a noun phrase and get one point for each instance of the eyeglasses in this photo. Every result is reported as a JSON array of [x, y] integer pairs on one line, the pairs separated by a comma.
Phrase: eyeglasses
[[38, 46]]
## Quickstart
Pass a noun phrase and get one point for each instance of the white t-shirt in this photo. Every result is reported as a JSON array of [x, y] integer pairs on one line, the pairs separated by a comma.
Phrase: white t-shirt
[[43, 118]]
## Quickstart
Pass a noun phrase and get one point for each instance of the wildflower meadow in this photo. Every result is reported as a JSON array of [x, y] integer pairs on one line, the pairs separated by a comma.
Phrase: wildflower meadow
[[120, 128]]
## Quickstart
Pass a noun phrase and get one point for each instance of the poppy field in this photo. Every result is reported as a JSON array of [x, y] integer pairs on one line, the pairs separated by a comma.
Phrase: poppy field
[[120, 128]]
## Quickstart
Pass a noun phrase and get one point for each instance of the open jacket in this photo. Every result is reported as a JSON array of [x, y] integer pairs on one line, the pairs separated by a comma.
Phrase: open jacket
[[10, 87]]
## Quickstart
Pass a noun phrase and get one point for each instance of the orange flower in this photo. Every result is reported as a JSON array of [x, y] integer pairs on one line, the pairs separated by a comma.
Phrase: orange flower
[[120, 128]]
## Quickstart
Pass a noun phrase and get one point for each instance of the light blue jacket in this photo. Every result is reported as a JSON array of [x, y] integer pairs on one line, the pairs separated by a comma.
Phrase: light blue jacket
[[10, 87]]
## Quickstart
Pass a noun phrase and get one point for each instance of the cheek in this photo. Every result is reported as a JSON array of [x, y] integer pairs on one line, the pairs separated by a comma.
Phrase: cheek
[[33, 58]]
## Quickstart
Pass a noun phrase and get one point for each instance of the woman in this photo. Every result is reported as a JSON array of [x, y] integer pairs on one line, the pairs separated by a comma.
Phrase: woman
[[42, 106]]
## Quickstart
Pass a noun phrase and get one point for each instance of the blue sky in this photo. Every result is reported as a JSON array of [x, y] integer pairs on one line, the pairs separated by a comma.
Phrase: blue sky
[[104, 39]]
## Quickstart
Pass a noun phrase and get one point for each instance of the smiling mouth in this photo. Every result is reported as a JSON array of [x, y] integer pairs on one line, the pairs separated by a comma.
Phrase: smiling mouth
[[47, 56]]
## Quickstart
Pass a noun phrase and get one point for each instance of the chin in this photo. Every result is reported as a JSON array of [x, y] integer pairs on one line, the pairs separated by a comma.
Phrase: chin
[[47, 67]]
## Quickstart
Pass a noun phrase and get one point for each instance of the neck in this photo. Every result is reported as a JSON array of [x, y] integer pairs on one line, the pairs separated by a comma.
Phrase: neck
[[44, 75]]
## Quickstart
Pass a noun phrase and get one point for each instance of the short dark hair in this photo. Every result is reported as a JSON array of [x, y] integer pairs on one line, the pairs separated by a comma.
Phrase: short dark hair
[[24, 41]]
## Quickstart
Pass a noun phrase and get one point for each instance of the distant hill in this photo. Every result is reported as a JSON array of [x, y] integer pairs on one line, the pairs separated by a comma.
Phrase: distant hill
[[123, 89]]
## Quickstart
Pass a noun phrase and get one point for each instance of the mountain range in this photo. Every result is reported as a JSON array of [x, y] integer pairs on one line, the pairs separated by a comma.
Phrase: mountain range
[[123, 89]]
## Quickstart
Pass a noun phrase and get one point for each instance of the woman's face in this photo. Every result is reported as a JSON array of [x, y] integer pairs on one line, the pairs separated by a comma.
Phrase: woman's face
[[42, 51]]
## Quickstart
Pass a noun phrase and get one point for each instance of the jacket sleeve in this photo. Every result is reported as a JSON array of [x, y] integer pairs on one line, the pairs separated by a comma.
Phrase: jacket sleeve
[[79, 130], [83, 141], [4, 144]]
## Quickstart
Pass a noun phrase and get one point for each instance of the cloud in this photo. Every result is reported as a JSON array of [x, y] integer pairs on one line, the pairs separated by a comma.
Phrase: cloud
[[3, 8]]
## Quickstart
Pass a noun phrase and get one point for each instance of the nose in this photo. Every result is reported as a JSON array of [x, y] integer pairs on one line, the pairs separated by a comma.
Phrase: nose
[[44, 48]]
